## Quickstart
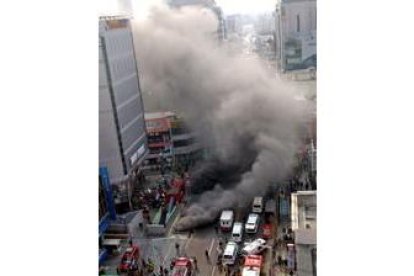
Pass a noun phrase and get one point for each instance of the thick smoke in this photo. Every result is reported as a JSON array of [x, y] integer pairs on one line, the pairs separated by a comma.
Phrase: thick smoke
[[248, 118]]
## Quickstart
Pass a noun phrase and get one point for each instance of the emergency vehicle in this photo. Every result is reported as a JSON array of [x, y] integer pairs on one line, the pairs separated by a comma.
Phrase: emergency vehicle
[[230, 253], [129, 261], [252, 265], [226, 220], [183, 267]]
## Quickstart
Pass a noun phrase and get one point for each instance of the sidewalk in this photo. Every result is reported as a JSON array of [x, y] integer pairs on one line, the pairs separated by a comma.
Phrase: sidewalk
[[281, 250]]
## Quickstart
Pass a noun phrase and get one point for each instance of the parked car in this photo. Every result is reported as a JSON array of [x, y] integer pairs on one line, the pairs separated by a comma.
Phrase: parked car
[[252, 224], [255, 247], [237, 233], [230, 253]]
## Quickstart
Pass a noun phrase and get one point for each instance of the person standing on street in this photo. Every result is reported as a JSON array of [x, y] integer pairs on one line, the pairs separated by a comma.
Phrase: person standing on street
[[177, 248], [227, 269], [207, 256], [220, 266], [216, 229], [195, 264]]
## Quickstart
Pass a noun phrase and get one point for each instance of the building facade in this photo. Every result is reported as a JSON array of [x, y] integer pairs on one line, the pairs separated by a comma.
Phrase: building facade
[[122, 135], [296, 34], [171, 143], [304, 222]]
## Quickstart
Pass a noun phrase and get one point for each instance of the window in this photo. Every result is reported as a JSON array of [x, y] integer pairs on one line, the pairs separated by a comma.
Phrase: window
[[153, 124], [297, 23], [183, 143]]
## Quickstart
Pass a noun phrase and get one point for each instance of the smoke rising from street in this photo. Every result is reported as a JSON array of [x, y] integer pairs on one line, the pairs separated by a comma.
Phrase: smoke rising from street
[[248, 118]]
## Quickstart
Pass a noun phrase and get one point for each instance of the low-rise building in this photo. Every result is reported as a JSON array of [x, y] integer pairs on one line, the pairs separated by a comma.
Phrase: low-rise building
[[303, 215], [171, 143]]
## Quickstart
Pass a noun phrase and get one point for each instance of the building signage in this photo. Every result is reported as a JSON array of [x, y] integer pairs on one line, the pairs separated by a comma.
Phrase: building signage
[[137, 154], [117, 24]]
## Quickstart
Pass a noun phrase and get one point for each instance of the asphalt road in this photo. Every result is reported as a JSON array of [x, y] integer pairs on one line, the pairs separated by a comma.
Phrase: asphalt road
[[206, 239], [200, 241], [162, 250]]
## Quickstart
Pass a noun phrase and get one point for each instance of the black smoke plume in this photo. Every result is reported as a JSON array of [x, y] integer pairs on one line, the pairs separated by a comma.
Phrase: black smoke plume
[[249, 120]]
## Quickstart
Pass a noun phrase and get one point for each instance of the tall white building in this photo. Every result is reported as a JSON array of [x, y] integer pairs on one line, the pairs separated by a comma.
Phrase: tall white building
[[122, 134], [296, 33]]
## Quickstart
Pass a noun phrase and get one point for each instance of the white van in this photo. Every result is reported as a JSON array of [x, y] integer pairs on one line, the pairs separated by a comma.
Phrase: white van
[[237, 233], [230, 253], [252, 224], [226, 220], [257, 205]]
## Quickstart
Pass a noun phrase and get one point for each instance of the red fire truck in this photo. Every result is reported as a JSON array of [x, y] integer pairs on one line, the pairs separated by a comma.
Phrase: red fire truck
[[252, 265], [183, 267], [129, 261]]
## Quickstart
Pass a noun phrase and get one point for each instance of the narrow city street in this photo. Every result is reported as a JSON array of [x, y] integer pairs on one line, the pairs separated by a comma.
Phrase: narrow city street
[[202, 240]]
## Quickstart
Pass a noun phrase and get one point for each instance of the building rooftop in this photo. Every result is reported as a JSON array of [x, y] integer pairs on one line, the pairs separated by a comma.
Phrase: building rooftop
[[304, 218], [305, 236], [109, 17], [303, 212]]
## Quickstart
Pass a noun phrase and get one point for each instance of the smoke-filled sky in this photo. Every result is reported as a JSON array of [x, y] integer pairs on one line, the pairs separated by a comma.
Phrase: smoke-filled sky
[[142, 7], [237, 105]]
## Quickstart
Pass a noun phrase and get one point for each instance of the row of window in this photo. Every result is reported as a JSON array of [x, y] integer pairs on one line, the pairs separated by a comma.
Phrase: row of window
[[119, 41], [122, 67], [158, 139], [178, 131], [183, 143]]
